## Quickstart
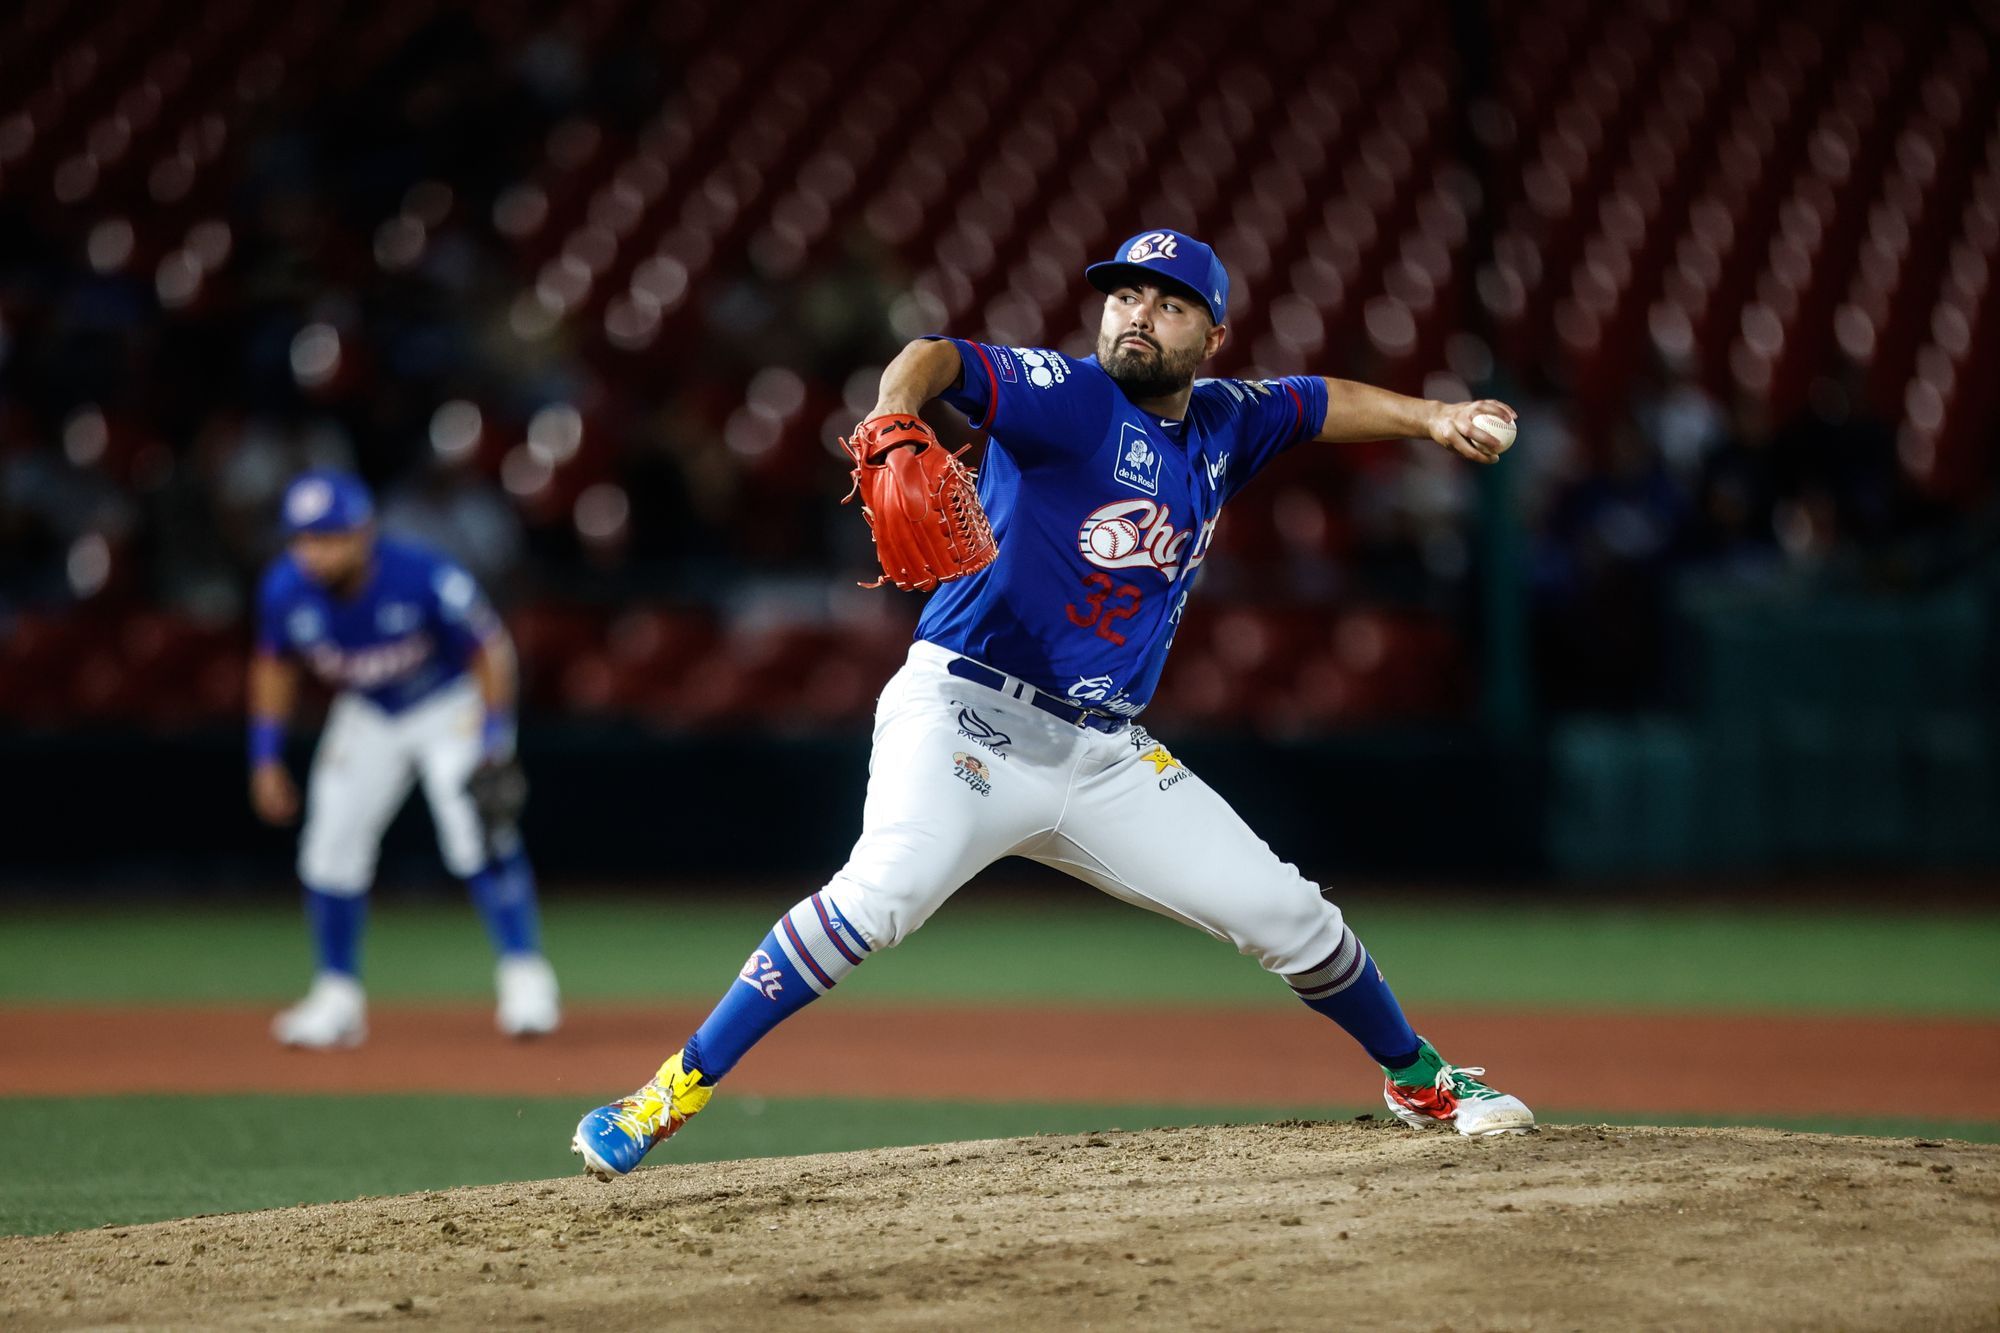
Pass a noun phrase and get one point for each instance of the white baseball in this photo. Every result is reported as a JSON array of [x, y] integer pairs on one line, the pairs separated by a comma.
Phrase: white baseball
[[1114, 537], [1499, 428]]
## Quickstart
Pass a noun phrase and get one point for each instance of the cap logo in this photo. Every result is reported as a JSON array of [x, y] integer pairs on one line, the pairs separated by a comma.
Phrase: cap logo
[[309, 501], [1153, 245]]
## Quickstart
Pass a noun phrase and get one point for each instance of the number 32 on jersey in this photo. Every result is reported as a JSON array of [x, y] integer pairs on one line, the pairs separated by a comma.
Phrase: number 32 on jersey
[[1107, 603]]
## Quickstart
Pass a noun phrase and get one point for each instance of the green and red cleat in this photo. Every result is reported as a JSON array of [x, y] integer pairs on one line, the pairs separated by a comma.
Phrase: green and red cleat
[[1430, 1094]]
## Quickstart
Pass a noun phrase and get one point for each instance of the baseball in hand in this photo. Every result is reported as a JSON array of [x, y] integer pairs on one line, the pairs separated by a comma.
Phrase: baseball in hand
[[1499, 428]]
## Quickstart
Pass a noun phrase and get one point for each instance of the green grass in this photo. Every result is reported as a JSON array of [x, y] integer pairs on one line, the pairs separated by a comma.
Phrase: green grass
[[183, 1156], [192, 1155], [1053, 950]]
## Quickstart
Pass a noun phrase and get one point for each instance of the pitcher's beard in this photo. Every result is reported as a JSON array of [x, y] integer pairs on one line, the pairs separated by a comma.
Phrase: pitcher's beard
[[1144, 375]]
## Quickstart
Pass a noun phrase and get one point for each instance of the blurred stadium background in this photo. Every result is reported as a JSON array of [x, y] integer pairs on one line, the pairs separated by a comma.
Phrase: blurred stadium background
[[587, 289]]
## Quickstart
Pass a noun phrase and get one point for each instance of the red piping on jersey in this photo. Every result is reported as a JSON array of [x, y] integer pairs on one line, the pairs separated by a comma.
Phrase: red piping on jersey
[[1298, 404], [992, 385]]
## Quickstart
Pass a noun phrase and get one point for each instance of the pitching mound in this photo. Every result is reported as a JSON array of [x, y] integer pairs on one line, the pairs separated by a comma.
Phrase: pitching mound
[[1274, 1226]]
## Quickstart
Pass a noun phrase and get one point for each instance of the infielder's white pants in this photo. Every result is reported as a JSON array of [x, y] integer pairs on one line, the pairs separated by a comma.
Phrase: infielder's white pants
[[364, 767], [962, 775]]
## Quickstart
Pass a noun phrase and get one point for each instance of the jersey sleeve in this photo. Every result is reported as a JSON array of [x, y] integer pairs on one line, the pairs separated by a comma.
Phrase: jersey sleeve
[[1270, 417], [272, 603], [1035, 401], [465, 619]]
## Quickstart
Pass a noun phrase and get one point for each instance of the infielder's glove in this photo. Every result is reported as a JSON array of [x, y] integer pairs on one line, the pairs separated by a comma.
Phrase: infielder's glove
[[920, 502], [499, 790]]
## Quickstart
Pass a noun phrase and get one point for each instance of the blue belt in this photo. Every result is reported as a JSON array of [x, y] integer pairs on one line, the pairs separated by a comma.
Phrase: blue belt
[[967, 669]]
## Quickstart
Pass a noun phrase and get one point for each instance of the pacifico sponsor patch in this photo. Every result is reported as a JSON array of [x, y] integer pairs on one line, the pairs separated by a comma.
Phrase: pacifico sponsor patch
[[981, 732]]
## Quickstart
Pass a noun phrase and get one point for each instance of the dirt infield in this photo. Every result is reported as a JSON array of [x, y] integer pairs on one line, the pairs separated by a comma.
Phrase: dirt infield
[[1650, 1064], [1284, 1226]]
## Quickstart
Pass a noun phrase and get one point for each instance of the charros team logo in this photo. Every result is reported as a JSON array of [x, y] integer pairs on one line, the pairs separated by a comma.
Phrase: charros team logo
[[972, 771], [760, 974], [1133, 534], [1153, 245]]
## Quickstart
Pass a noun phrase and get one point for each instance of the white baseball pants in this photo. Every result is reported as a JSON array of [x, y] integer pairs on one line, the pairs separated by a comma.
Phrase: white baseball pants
[[962, 775], [367, 761]]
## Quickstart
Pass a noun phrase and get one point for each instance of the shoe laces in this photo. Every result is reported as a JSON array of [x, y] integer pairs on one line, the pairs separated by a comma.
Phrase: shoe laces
[[1462, 1080], [639, 1115]]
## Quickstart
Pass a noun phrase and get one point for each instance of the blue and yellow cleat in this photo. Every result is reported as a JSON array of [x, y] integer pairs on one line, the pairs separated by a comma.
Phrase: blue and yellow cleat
[[613, 1139]]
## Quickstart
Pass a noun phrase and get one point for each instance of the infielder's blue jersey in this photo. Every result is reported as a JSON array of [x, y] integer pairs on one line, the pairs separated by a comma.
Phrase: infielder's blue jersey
[[411, 629], [1102, 514]]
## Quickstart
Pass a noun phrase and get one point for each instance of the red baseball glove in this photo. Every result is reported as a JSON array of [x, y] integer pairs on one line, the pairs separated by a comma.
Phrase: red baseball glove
[[920, 502]]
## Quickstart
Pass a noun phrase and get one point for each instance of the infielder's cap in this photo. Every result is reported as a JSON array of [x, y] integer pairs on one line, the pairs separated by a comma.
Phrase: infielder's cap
[[1167, 257], [325, 500]]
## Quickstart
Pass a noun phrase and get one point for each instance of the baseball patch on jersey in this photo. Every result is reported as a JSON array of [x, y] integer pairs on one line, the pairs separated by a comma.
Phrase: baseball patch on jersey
[[1132, 534], [1138, 461], [1003, 365], [972, 771]]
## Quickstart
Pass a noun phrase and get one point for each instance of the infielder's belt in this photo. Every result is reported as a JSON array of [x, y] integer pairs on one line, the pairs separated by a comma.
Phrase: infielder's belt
[[967, 669]]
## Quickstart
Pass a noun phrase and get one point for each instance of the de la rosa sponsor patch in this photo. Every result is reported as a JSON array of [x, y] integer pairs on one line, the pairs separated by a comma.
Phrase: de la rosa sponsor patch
[[1138, 461]]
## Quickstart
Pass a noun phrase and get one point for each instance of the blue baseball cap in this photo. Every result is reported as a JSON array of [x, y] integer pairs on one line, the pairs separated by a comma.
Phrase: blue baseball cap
[[1162, 257], [325, 500]]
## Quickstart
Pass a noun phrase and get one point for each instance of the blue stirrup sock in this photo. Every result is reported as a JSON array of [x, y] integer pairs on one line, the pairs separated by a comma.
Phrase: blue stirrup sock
[[801, 958], [334, 920], [1348, 988], [503, 891]]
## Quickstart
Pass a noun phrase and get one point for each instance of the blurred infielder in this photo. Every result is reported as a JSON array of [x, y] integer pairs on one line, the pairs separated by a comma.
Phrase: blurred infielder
[[1010, 730], [424, 679]]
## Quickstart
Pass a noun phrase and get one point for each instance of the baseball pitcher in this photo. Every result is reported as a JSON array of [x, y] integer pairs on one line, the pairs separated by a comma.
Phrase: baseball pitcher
[[1011, 729], [423, 674]]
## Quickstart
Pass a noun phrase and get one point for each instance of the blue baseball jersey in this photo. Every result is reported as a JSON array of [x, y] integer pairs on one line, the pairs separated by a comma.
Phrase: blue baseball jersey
[[410, 630], [1102, 513]]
